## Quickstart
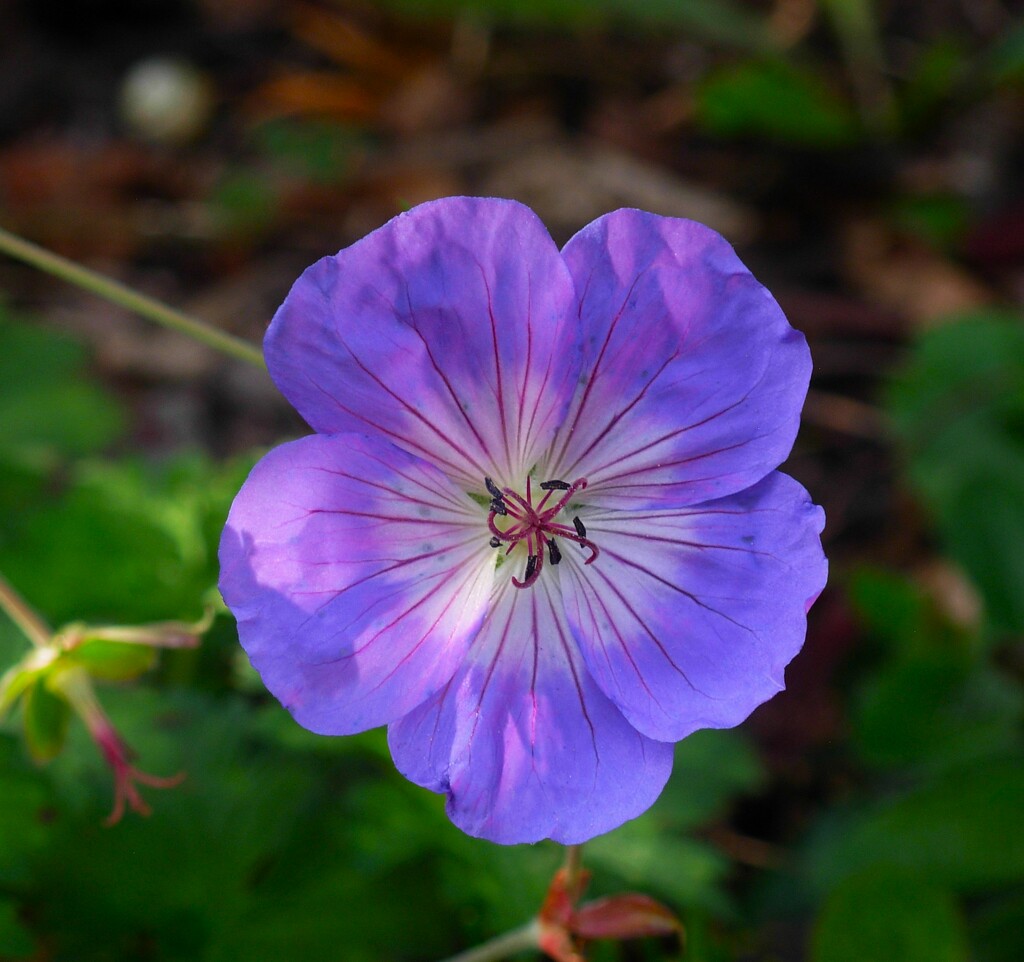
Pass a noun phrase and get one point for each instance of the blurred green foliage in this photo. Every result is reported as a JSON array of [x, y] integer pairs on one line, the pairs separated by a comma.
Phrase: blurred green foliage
[[1006, 61], [724, 21], [939, 219], [929, 842], [314, 151], [885, 914], [243, 203], [49, 408], [935, 700], [925, 860], [772, 91], [959, 408], [776, 100]]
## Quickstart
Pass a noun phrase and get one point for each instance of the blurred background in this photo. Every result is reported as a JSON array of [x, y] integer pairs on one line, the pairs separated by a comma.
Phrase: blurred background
[[865, 157]]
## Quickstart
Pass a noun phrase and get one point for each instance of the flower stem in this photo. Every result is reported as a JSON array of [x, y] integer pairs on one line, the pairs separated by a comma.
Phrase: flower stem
[[112, 290], [32, 625], [518, 940], [573, 866]]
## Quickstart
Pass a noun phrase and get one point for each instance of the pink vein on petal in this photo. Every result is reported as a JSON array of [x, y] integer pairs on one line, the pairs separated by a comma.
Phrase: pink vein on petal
[[643, 624], [426, 596], [499, 389], [570, 428], [404, 441]]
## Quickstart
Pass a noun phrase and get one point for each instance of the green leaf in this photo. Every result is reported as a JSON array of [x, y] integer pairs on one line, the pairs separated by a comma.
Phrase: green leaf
[[981, 524], [959, 407], [776, 100], [937, 70], [15, 940], [881, 914], [996, 927], [27, 826], [48, 405], [46, 716], [894, 610], [1006, 59], [722, 21], [319, 151], [263, 853], [67, 417], [939, 219], [244, 202], [187, 869], [937, 712], [156, 529], [961, 831], [53, 554]]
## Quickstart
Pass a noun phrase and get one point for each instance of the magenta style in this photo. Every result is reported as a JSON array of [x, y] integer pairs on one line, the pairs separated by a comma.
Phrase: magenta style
[[538, 532]]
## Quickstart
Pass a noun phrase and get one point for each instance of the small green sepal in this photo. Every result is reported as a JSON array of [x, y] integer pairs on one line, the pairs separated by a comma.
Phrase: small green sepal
[[112, 660], [45, 716]]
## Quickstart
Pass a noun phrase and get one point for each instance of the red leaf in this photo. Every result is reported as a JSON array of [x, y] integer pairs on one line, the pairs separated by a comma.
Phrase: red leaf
[[561, 898], [556, 943], [626, 916]]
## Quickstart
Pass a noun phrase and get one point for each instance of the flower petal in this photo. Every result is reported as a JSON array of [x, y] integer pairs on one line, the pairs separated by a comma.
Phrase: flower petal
[[695, 378], [449, 330], [522, 740], [358, 575], [688, 618]]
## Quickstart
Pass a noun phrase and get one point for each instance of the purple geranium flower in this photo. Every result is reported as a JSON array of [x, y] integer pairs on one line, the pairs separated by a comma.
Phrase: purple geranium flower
[[538, 532]]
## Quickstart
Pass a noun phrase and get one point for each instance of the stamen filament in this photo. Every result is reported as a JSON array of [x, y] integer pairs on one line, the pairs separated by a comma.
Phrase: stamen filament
[[536, 525], [509, 493], [576, 486], [564, 532]]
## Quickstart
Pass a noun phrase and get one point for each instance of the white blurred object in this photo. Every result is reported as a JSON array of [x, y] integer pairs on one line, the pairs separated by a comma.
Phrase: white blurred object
[[166, 100]]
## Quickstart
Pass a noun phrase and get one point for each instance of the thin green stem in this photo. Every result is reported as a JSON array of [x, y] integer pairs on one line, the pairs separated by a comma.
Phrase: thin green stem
[[112, 290], [856, 24], [20, 612], [518, 940]]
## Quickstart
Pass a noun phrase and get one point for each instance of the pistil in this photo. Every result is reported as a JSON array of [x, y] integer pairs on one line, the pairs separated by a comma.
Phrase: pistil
[[535, 524]]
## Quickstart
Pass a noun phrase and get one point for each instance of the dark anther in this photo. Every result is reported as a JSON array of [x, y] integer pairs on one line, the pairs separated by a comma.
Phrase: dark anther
[[531, 567], [498, 506], [580, 527], [555, 485], [495, 542], [553, 553], [493, 490]]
